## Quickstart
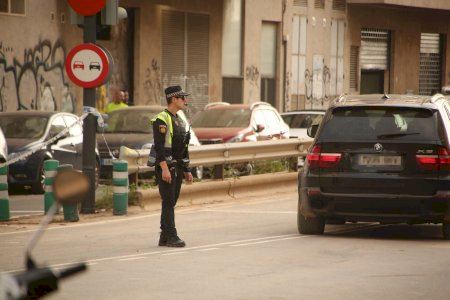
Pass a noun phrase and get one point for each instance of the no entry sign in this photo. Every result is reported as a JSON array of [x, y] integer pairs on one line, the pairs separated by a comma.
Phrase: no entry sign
[[87, 7], [88, 65]]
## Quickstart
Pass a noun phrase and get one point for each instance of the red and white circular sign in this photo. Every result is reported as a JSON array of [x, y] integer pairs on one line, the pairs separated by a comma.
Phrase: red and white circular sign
[[88, 65], [87, 7]]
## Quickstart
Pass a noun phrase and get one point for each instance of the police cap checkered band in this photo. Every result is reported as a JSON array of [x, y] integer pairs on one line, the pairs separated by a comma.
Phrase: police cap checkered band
[[173, 91]]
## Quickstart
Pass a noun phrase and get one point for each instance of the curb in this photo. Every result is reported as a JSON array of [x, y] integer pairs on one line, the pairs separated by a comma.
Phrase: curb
[[229, 189]]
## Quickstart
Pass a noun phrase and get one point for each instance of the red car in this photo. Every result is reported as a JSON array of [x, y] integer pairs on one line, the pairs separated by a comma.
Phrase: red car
[[221, 122], [78, 65]]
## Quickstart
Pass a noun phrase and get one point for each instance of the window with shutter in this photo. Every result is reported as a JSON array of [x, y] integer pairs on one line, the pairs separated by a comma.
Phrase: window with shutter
[[354, 66], [185, 54], [303, 3], [319, 3], [430, 64], [339, 5]]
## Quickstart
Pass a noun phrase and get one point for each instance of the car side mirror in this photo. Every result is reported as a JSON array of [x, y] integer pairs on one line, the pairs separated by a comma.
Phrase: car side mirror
[[312, 130], [259, 127]]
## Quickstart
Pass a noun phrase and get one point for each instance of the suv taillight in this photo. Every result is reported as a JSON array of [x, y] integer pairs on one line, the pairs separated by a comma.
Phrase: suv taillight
[[317, 159], [441, 161]]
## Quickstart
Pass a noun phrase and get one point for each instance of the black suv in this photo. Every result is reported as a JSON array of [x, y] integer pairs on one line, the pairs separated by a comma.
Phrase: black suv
[[382, 158]]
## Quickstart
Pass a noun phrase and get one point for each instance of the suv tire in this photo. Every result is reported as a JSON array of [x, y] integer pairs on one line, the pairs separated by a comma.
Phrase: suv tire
[[314, 225]]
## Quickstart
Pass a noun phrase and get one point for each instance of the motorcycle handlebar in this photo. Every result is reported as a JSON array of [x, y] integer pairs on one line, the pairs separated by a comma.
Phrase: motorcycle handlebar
[[38, 282], [72, 270]]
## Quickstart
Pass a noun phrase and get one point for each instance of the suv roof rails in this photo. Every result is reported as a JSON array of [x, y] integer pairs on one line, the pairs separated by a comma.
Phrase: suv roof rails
[[259, 103], [436, 97], [341, 98], [209, 105]]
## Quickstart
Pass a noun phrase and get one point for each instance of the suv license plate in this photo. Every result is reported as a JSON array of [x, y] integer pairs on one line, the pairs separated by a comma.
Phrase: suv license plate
[[379, 160]]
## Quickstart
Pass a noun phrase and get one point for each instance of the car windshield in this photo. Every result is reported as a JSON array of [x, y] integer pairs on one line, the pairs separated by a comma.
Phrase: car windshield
[[302, 120], [130, 121], [222, 118], [361, 123], [23, 127]]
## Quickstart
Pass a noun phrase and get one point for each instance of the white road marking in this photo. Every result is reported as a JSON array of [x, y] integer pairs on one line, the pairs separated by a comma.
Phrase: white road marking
[[132, 258], [207, 249], [174, 253], [269, 241], [249, 211], [177, 251]]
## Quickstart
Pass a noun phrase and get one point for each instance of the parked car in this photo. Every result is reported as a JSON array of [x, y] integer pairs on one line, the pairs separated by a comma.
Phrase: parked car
[[378, 158], [131, 127], [3, 148], [300, 120], [28, 131], [221, 122]]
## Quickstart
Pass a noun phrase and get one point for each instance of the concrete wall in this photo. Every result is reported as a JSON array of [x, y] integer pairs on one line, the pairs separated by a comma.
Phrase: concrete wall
[[148, 85], [406, 26], [255, 12], [32, 59]]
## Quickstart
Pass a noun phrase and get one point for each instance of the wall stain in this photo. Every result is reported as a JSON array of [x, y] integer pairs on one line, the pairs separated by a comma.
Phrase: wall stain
[[35, 81]]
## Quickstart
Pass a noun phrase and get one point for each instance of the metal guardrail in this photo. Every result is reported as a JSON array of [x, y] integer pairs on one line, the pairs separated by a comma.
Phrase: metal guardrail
[[220, 154]]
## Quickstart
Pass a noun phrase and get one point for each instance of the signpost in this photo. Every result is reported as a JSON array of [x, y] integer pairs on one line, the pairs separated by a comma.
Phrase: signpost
[[88, 66]]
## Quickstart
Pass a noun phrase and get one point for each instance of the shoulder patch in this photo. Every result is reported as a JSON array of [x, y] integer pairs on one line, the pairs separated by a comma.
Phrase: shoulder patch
[[162, 128]]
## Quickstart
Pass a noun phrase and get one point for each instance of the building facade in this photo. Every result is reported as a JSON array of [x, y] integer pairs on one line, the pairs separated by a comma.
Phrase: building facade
[[294, 54]]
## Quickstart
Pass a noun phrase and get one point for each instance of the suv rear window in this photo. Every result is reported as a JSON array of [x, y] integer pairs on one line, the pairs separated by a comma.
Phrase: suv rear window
[[222, 118], [362, 123]]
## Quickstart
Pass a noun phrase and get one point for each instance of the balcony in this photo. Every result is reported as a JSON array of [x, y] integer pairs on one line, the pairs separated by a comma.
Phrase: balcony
[[430, 4]]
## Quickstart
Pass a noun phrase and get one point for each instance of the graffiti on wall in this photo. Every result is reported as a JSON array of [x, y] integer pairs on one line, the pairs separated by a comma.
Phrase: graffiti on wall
[[317, 84], [152, 83], [252, 75], [36, 81]]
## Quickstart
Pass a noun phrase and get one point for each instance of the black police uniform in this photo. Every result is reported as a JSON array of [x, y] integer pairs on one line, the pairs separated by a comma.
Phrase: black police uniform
[[177, 158]]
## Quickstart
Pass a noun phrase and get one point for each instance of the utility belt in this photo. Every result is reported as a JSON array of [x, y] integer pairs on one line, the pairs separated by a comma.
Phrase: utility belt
[[184, 163]]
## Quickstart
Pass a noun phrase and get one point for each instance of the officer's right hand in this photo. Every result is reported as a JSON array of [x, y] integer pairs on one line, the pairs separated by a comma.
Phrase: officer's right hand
[[166, 175]]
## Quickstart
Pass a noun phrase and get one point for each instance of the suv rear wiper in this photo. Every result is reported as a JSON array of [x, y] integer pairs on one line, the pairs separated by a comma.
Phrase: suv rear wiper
[[394, 135]]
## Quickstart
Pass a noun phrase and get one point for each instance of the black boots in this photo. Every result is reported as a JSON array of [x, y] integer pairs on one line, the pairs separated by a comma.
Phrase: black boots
[[171, 241]]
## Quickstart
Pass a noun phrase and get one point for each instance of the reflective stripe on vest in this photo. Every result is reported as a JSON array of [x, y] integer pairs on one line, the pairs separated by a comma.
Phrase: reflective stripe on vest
[[165, 117]]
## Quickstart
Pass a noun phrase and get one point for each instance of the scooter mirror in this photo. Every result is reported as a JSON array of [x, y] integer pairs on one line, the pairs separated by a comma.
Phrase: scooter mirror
[[70, 186]]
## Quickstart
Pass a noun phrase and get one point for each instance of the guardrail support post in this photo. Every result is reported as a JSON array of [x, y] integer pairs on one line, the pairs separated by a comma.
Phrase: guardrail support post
[[50, 167], [218, 172], [120, 187], [70, 210], [4, 196]]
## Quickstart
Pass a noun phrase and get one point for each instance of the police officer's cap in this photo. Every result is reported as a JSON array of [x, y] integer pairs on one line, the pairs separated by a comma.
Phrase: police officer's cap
[[175, 91]]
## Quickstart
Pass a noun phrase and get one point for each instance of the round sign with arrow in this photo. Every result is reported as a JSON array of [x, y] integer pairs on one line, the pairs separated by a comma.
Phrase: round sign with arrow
[[88, 65]]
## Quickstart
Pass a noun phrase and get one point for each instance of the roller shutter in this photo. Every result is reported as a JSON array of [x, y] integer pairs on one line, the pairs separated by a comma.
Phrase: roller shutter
[[374, 49], [185, 54], [430, 64]]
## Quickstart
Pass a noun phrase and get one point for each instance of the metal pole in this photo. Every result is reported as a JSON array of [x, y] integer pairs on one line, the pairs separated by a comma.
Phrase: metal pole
[[89, 126]]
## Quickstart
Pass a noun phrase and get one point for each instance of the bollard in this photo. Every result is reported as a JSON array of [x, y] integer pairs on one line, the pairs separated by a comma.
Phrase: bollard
[[50, 167], [70, 210], [120, 187], [4, 196]]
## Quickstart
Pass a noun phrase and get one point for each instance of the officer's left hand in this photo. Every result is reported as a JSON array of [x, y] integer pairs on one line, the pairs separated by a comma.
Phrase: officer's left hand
[[188, 177]]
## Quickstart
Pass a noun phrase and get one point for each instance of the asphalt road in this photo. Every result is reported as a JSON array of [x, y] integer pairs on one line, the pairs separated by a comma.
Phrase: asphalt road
[[243, 250]]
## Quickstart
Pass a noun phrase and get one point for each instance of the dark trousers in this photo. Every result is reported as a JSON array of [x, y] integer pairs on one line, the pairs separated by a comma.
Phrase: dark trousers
[[169, 195]]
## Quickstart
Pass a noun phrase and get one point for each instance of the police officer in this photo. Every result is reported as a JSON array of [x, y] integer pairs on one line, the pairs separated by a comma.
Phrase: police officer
[[171, 156]]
